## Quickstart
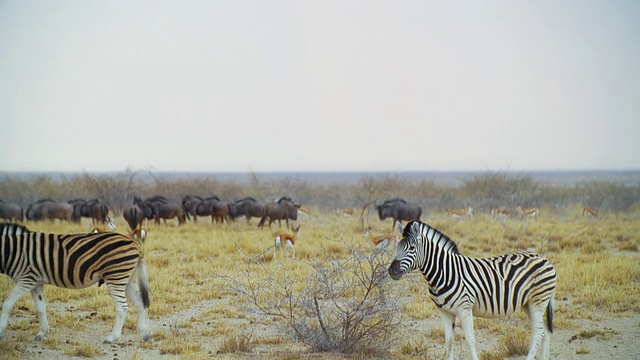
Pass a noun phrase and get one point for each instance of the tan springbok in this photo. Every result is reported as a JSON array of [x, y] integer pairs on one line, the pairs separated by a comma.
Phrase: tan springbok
[[461, 213], [287, 240], [591, 213], [531, 213], [382, 241]]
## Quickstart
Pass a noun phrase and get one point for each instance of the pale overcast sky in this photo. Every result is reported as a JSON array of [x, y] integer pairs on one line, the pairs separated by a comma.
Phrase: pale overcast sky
[[319, 85]]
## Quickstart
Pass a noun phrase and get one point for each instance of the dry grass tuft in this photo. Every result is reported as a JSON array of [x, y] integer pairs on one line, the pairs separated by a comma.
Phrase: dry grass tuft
[[516, 342], [83, 350], [237, 343]]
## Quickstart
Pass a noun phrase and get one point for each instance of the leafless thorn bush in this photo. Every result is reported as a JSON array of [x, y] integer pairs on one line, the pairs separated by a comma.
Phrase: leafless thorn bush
[[345, 304]]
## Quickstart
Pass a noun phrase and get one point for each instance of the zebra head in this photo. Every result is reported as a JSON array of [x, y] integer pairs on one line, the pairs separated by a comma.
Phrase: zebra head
[[405, 260]]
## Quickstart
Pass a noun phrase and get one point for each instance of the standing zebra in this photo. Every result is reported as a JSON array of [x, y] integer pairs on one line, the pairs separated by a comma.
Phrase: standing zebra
[[34, 259], [493, 287]]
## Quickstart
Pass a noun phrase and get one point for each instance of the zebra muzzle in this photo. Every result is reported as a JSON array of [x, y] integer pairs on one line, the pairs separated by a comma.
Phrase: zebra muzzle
[[394, 270]]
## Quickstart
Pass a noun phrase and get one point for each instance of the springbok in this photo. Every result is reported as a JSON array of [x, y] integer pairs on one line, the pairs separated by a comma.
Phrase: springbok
[[528, 213], [461, 213], [346, 212], [304, 213], [287, 240], [500, 213], [593, 214], [382, 241]]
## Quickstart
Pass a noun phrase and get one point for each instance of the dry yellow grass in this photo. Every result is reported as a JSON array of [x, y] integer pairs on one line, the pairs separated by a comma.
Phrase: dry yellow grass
[[194, 315]]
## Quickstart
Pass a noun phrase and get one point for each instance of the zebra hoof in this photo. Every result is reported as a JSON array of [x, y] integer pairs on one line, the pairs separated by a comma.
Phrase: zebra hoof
[[146, 338], [40, 337]]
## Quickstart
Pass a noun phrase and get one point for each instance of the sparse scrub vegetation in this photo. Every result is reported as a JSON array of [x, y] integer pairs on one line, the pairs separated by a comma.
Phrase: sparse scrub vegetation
[[216, 289], [343, 304]]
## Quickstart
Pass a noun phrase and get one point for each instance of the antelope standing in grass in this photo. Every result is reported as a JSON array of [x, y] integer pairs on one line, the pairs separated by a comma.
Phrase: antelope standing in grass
[[461, 213], [530, 213], [346, 212], [591, 213], [287, 240], [382, 241], [500, 213]]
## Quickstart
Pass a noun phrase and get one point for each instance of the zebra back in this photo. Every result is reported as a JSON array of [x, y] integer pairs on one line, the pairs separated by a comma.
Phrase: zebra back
[[69, 261]]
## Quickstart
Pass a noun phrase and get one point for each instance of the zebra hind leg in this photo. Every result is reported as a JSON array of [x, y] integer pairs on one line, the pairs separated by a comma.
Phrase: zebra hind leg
[[120, 301], [16, 294], [448, 320], [539, 332], [41, 308], [138, 300]]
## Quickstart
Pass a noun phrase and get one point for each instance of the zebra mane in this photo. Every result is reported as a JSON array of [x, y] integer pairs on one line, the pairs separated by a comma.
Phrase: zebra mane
[[429, 233], [441, 239], [12, 229]]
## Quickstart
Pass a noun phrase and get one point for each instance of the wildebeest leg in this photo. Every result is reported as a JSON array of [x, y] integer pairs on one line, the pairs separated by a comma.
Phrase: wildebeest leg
[[393, 224]]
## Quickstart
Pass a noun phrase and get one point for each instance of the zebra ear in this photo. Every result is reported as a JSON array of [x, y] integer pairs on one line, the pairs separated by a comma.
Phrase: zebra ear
[[413, 226]]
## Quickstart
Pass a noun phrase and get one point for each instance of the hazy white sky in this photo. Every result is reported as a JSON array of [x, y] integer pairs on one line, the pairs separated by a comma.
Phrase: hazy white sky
[[323, 85]]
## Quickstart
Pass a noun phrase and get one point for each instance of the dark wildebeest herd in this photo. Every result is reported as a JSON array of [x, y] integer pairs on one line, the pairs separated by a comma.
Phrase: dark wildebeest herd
[[191, 207], [49, 209]]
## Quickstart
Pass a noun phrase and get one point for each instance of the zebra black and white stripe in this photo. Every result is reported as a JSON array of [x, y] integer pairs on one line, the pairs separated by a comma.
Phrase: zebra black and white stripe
[[12, 229], [464, 287], [77, 261]]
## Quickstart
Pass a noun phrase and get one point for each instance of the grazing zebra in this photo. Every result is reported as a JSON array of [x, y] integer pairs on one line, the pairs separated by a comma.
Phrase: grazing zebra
[[77, 261], [493, 287]]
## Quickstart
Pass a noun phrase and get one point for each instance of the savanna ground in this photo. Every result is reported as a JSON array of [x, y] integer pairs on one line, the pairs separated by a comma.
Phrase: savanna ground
[[196, 313]]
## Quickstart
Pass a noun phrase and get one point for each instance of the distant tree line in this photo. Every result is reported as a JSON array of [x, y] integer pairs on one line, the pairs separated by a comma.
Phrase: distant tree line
[[482, 191]]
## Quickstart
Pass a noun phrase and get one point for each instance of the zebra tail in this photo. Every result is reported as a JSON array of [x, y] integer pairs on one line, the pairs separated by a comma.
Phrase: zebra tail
[[550, 315], [143, 283]]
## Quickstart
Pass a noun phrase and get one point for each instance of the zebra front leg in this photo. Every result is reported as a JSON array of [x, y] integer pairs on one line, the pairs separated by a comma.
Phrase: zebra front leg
[[16, 294], [448, 319], [466, 320], [41, 308]]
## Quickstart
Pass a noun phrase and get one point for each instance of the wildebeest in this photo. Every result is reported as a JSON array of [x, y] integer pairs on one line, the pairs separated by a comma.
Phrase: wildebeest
[[398, 210], [247, 207], [148, 211], [194, 206], [94, 209], [134, 216], [283, 209], [160, 208], [220, 211], [11, 212], [49, 209]]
